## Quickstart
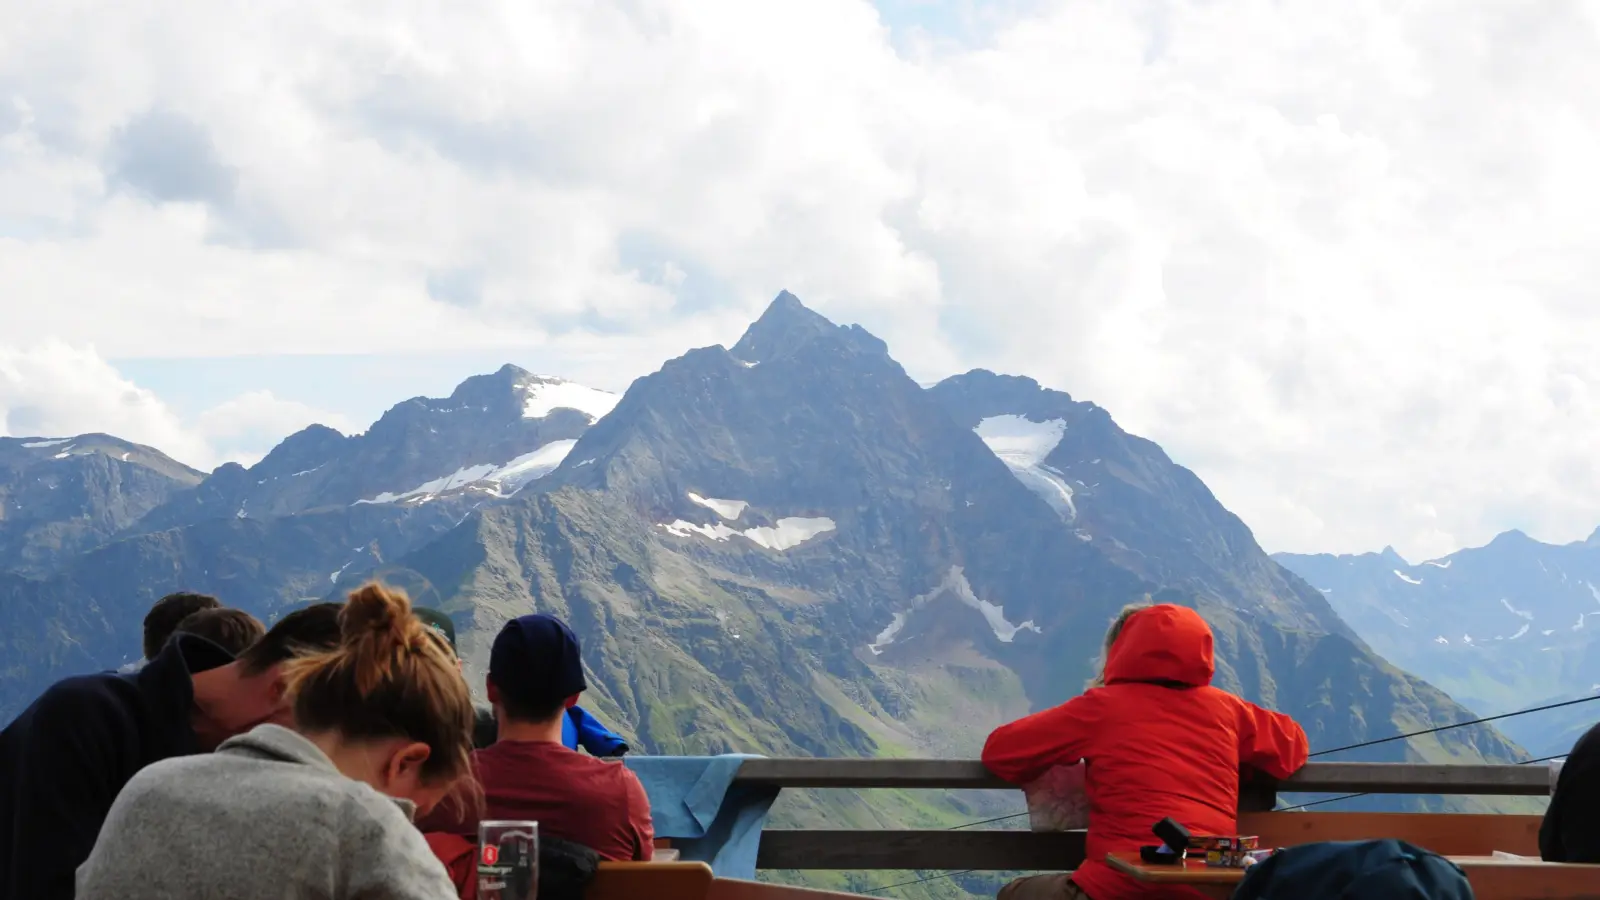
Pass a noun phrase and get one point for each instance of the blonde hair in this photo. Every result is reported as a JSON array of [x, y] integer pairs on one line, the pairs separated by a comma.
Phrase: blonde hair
[[389, 677], [1099, 679]]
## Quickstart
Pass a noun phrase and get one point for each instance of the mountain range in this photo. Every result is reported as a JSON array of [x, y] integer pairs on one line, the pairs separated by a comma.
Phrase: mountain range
[[785, 547], [1502, 627]]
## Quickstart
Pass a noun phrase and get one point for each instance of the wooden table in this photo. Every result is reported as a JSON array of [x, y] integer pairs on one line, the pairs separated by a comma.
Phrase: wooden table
[[1491, 878], [1194, 873]]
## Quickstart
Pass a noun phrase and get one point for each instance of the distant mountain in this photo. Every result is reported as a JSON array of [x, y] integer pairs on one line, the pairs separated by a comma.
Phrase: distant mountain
[[1501, 627], [490, 437], [60, 496]]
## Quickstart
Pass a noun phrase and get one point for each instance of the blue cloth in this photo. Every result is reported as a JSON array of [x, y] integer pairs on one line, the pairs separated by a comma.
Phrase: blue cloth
[[1355, 870], [695, 803], [579, 729]]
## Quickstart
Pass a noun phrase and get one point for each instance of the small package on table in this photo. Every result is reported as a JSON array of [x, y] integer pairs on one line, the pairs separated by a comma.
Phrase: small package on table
[[1225, 851]]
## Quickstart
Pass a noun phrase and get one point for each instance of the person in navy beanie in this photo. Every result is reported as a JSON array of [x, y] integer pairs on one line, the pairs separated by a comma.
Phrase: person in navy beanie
[[580, 729], [535, 678]]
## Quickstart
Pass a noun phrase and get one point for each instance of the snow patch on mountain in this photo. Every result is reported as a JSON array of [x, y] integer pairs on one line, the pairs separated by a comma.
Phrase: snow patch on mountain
[[502, 480], [532, 466], [955, 582], [546, 395], [1441, 639], [785, 534], [460, 478], [1023, 445], [1406, 578], [1520, 632], [717, 532], [791, 532], [887, 635], [1439, 564], [36, 445], [727, 509], [1514, 611]]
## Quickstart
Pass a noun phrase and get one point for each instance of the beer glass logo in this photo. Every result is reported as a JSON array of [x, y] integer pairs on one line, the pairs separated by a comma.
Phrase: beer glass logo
[[491, 855]]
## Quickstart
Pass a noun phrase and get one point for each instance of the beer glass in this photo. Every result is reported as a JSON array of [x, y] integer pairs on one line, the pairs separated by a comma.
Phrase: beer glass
[[508, 860]]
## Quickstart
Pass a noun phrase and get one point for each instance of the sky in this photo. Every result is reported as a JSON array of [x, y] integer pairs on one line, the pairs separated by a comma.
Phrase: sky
[[1338, 258]]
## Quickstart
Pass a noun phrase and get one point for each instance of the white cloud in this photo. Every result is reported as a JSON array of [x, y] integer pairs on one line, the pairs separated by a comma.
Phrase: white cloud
[[55, 390], [1335, 256], [246, 427]]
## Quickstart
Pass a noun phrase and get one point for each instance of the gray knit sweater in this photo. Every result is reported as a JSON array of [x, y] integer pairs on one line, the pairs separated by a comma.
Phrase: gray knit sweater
[[266, 817]]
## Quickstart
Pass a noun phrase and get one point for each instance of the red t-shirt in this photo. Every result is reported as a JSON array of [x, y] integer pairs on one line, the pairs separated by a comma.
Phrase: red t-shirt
[[600, 805]]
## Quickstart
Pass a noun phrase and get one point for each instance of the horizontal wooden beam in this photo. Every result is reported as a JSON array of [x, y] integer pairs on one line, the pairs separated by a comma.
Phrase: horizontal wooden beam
[[1419, 778], [1316, 778], [936, 774], [983, 850]]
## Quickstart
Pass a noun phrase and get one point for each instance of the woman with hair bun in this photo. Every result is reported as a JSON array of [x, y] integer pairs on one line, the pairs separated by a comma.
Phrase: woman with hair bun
[[382, 730]]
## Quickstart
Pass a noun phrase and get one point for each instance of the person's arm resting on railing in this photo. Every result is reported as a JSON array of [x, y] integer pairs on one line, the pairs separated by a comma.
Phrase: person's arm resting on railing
[[1027, 748], [1271, 743]]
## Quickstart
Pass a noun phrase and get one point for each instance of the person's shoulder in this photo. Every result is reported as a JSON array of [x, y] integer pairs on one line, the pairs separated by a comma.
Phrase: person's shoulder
[[98, 689], [158, 777], [87, 705]]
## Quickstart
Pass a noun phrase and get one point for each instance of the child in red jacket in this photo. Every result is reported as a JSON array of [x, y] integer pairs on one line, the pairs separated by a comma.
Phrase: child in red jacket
[[1159, 741]]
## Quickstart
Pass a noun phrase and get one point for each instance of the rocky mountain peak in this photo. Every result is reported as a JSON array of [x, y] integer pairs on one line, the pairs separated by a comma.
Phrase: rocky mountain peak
[[788, 325]]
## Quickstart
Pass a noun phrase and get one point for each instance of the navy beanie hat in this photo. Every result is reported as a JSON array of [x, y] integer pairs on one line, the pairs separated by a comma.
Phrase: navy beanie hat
[[537, 659]]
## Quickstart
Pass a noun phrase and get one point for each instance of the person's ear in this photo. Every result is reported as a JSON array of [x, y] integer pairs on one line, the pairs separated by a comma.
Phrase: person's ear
[[406, 763], [493, 692]]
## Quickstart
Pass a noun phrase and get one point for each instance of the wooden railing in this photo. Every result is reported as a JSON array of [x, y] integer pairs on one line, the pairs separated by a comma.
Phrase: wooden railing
[[1026, 850]]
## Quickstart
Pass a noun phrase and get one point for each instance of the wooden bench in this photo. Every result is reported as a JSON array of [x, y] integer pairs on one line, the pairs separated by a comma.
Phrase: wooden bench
[[659, 881]]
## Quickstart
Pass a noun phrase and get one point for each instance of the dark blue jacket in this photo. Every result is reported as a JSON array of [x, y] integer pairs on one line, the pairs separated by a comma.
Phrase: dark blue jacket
[[1384, 869], [65, 758]]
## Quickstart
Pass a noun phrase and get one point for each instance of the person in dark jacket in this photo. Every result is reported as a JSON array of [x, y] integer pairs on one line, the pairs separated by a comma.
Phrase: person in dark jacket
[[579, 729], [1571, 829], [65, 758]]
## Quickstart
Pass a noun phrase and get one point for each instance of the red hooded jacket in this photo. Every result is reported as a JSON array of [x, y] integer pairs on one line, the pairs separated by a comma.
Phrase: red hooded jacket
[[1159, 741]]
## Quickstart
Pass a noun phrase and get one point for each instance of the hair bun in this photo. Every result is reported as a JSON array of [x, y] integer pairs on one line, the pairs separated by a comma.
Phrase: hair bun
[[374, 610]]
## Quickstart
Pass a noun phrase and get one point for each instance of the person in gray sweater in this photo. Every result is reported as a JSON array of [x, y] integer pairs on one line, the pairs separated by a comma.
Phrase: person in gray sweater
[[382, 728]]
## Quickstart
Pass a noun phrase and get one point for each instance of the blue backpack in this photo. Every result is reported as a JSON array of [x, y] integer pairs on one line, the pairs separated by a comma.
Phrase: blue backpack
[[1355, 870]]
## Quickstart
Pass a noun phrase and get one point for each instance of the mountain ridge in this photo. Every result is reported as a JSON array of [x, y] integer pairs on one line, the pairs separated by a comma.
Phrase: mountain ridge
[[1504, 626]]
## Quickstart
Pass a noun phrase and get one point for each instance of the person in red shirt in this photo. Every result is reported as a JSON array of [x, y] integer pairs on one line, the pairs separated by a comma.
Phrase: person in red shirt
[[1159, 741], [535, 676]]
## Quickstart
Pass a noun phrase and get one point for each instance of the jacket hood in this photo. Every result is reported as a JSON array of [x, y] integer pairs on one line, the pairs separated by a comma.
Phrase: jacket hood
[[1163, 643], [286, 745]]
